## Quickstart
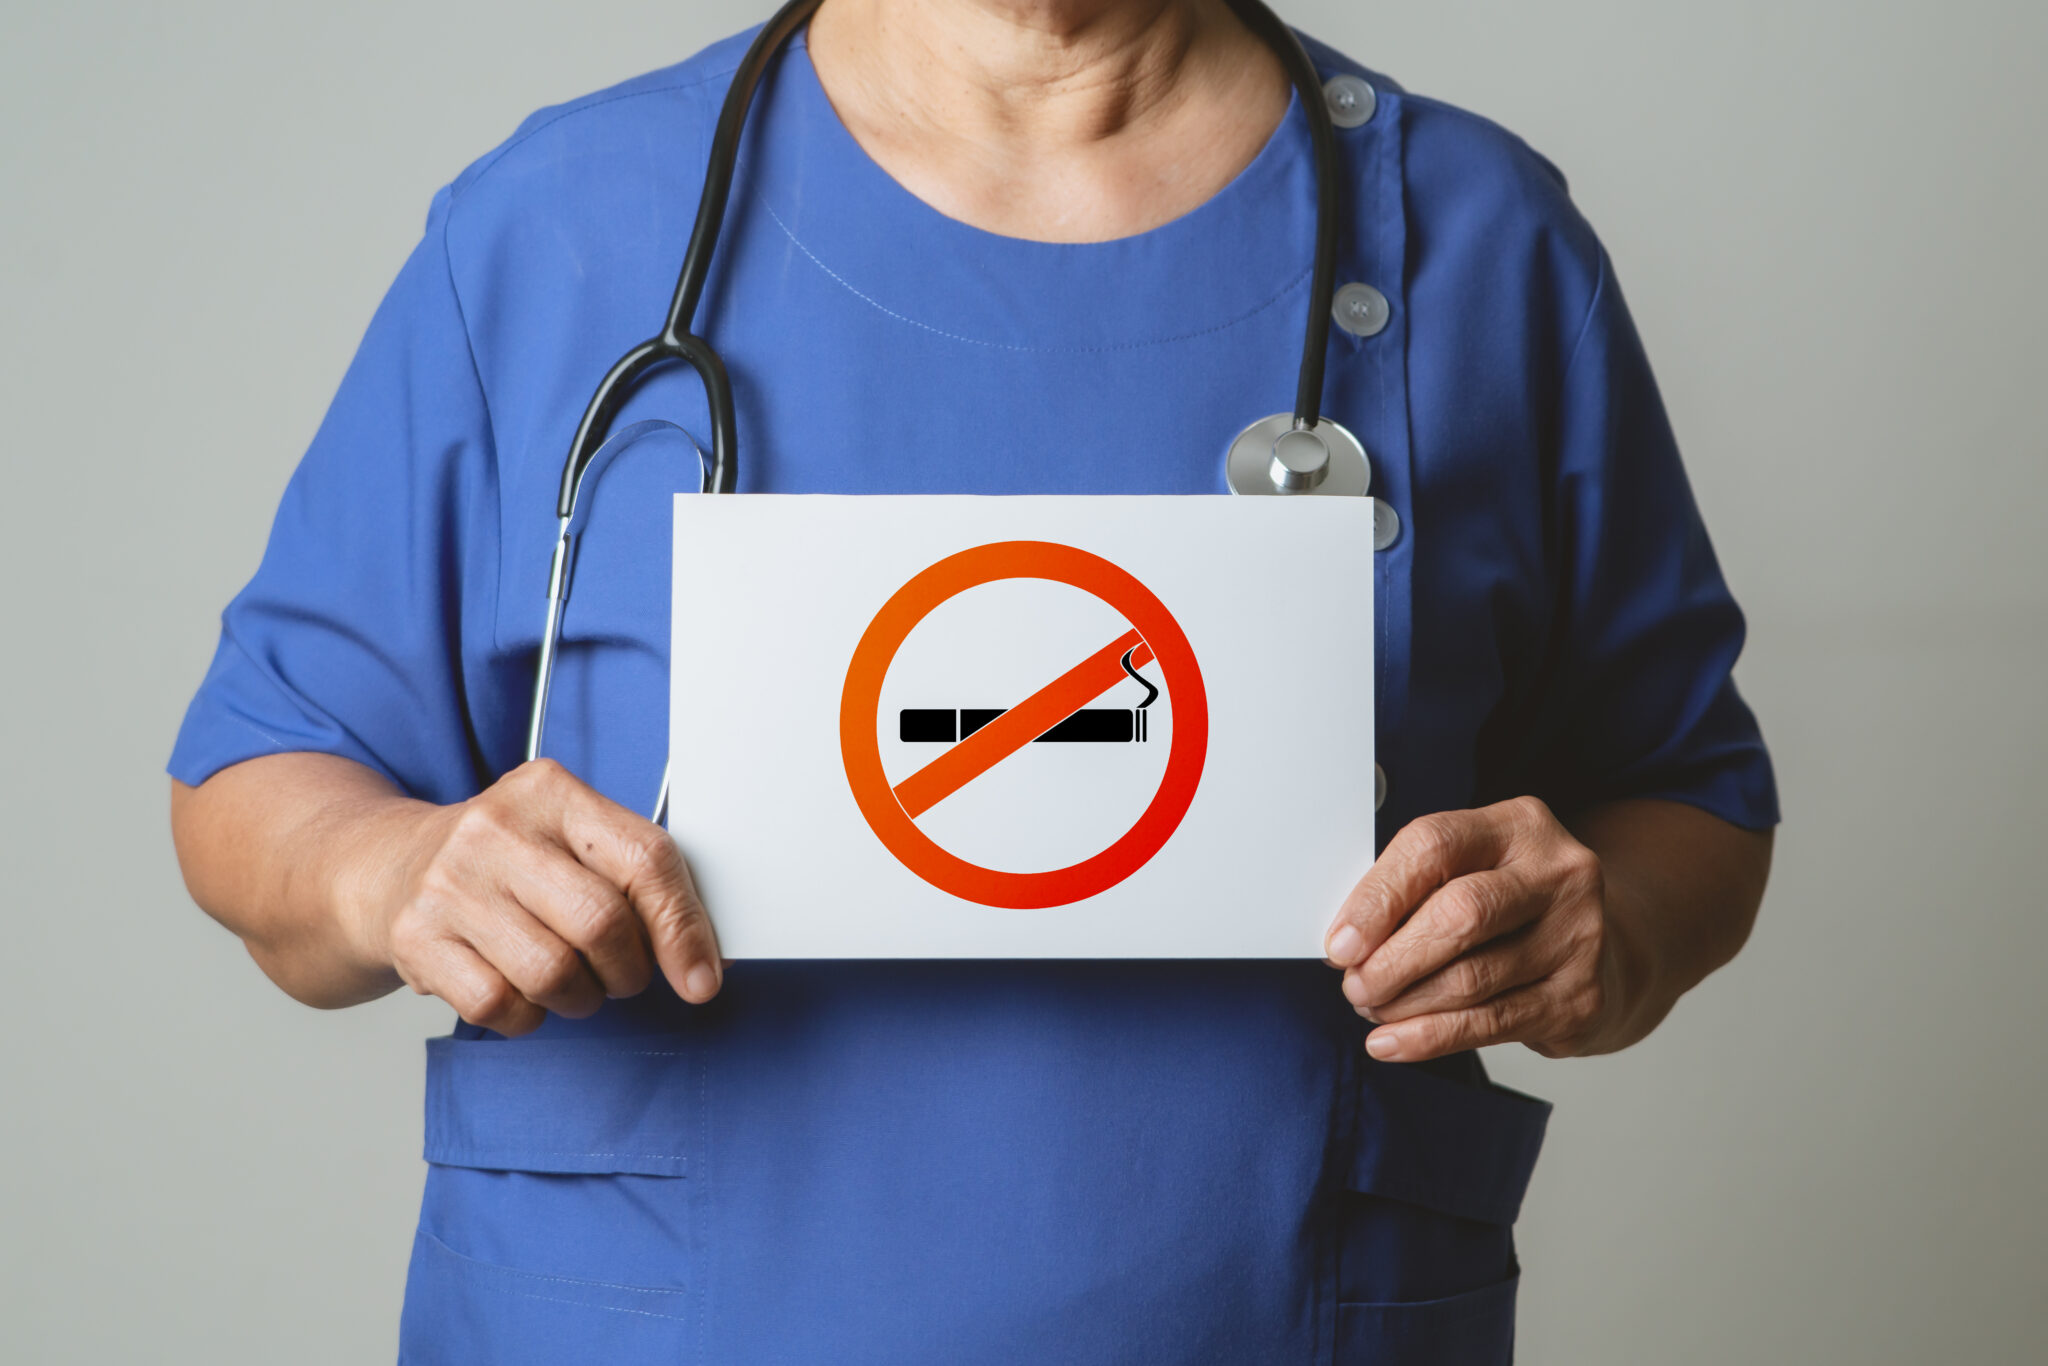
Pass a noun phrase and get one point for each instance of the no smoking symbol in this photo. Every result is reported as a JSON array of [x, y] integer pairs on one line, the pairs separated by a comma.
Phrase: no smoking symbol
[[891, 811]]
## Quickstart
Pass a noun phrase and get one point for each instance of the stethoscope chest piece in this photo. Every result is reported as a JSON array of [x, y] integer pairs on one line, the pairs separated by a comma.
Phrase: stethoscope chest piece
[[1273, 456]]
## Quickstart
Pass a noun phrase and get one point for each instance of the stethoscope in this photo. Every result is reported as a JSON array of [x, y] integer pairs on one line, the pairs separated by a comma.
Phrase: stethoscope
[[1289, 454]]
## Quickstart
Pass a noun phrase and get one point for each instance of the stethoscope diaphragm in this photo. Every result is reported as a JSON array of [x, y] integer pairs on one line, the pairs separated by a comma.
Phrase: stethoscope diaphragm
[[1274, 456]]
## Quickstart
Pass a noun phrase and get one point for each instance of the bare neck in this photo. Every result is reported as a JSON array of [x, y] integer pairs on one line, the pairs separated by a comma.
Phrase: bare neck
[[1056, 120]]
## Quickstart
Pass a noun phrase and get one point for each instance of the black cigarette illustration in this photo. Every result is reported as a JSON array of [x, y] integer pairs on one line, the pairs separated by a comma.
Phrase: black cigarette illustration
[[1089, 726]]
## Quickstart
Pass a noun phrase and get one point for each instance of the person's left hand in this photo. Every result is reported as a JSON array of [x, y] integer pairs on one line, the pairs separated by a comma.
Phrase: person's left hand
[[1481, 927]]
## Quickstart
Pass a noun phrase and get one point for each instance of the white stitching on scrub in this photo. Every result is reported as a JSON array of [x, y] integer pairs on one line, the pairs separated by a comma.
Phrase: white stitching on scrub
[[883, 308]]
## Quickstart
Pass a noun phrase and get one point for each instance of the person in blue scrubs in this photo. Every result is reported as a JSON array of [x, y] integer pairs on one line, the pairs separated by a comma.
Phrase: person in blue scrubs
[[996, 247]]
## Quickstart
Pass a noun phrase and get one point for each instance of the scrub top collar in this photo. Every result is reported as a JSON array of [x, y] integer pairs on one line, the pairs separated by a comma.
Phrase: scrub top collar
[[1250, 244]]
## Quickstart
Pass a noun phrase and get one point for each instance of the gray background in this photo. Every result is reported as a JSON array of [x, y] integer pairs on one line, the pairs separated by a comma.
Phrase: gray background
[[1829, 218]]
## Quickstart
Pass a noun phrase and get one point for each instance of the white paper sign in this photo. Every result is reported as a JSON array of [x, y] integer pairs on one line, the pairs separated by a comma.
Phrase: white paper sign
[[1034, 727]]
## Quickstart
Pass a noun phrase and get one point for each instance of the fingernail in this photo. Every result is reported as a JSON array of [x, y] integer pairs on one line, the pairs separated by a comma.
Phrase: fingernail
[[1354, 990], [702, 982], [1383, 1044], [1345, 944]]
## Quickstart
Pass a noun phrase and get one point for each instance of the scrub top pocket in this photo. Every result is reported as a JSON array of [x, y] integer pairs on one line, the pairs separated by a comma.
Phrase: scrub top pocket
[[460, 1311], [557, 1223], [1473, 1329], [1426, 1272]]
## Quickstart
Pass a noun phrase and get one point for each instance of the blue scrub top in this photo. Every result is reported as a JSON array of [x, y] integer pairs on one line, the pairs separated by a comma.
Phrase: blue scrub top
[[991, 1161]]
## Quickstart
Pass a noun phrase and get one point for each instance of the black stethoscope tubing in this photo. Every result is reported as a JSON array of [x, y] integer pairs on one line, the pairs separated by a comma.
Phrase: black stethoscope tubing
[[676, 342]]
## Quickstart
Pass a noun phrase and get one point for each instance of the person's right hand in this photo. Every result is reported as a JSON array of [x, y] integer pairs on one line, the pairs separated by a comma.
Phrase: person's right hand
[[537, 894]]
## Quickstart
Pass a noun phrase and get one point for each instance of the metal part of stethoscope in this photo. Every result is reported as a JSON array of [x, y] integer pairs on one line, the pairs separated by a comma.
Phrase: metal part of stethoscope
[[1288, 454]]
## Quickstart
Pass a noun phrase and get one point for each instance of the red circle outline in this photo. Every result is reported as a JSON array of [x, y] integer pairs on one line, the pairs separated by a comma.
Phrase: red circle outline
[[860, 705]]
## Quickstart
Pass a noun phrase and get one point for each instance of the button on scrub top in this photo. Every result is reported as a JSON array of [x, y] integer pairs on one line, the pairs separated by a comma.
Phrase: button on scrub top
[[990, 1162]]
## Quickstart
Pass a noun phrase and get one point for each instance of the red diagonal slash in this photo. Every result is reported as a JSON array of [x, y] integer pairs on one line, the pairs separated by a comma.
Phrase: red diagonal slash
[[1020, 725]]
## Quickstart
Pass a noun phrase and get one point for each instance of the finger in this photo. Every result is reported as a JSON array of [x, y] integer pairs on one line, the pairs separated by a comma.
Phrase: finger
[[480, 994], [538, 963], [684, 939], [1507, 1018], [638, 857], [589, 914], [1457, 918], [1422, 856], [1513, 961], [646, 865]]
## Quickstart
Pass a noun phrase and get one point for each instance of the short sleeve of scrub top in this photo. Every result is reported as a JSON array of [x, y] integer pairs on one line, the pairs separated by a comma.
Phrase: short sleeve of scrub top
[[384, 550], [1031, 1162]]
